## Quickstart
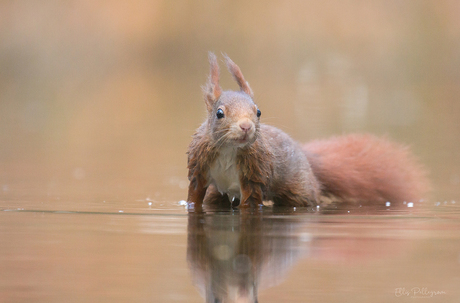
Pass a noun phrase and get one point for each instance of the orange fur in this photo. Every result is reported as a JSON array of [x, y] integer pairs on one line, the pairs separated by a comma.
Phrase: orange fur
[[212, 89], [238, 76], [366, 168], [237, 157]]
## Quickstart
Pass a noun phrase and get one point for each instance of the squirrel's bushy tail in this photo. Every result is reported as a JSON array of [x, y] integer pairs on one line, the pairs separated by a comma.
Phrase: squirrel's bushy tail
[[365, 168]]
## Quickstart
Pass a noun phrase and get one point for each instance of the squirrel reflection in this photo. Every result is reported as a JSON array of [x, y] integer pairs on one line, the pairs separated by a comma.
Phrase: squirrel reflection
[[232, 255]]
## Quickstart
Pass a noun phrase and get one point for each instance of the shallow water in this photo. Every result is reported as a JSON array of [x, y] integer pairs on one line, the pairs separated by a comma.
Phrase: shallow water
[[275, 255], [98, 101]]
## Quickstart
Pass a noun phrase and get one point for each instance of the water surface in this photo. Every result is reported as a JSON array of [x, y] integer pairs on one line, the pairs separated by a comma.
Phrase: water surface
[[276, 255]]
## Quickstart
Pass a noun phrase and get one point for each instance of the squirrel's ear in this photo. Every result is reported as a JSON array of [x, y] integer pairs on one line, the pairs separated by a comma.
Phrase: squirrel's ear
[[212, 90], [238, 76]]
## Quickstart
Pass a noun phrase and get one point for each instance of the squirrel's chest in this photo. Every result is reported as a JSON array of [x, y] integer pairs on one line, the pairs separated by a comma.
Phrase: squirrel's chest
[[224, 174]]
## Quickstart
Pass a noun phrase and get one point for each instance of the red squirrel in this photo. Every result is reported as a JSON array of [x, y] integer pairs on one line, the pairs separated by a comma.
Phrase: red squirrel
[[233, 157]]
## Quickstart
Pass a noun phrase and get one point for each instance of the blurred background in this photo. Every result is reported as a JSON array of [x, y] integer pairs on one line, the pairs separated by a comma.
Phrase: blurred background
[[98, 103], [102, 97]]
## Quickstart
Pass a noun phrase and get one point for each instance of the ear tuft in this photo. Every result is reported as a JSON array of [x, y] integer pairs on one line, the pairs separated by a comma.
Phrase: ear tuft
[[238, 76], [212, 90]]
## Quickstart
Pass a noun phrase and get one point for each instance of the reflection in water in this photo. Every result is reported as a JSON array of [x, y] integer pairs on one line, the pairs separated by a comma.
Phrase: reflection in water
[[232, 255]]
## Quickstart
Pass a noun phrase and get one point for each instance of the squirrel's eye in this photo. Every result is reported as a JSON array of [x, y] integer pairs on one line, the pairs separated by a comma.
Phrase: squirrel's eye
[[258, 113], [220, 113]]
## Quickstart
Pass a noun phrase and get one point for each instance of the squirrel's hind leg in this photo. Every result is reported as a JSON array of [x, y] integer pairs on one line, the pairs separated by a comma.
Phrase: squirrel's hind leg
[[214, 198]]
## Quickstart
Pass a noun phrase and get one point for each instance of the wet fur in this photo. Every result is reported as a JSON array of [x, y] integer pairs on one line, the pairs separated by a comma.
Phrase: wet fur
[[274, 167]]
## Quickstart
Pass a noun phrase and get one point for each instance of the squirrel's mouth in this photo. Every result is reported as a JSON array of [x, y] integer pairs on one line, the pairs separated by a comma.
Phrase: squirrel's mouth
[[246, 138]]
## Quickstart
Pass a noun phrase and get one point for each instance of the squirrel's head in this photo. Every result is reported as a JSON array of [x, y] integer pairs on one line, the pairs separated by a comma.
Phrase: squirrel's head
[[233, 117]]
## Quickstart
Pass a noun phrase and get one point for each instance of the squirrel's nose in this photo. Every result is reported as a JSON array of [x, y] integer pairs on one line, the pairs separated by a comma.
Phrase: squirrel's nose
[[245, 126]]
